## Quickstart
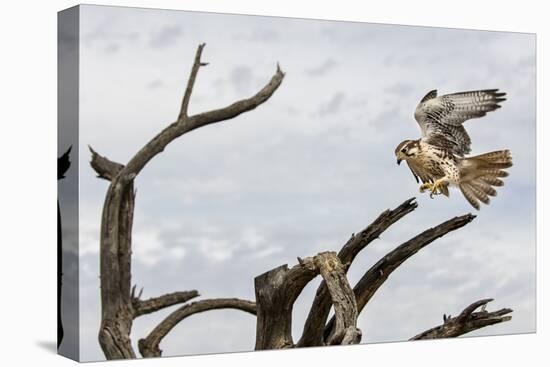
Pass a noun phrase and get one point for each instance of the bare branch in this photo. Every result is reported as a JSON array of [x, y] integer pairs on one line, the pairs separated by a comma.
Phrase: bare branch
[[467, 321], [358, 242], [157, 303], [193, 75], [239, 107], [343, 299], [471, 308], [149, 347], [104, 167], [319, 311], [379, 272]]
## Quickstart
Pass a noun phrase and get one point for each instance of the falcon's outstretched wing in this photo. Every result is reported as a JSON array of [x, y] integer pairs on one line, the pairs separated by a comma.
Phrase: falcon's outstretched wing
[[441, 118]]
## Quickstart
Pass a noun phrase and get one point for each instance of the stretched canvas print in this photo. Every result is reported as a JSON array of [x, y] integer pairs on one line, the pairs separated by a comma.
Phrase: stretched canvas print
[[232, 183]]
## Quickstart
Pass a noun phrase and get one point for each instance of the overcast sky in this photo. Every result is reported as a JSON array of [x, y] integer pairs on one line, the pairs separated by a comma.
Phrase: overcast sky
[[302, 172]]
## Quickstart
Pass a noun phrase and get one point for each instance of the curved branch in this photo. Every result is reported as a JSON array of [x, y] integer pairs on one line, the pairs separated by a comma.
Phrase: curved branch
[[467, 321], [379, 272], [143, 307], [149, 347], [104, 167], [465, 314], [319, 311], [238, 107]]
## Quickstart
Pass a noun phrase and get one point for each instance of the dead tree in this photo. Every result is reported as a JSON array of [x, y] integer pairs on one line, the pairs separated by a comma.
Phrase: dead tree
[[276, 290]]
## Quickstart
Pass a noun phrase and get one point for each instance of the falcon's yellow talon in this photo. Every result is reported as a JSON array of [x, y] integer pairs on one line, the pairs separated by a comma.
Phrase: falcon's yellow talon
[[426, 186], [436, 188]]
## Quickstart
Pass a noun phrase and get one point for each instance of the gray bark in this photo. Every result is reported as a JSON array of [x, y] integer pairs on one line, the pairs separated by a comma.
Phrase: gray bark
[[466, 321]]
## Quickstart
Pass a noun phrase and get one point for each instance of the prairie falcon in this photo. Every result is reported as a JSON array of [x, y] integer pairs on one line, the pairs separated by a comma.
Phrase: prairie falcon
[[438, 157]]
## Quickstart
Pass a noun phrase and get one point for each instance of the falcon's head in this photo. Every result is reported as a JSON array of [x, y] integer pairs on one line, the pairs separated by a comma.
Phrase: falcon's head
[[406, 149]]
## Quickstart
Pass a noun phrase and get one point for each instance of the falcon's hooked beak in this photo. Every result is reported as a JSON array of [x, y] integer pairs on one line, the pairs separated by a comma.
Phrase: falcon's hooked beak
[[398, 161]]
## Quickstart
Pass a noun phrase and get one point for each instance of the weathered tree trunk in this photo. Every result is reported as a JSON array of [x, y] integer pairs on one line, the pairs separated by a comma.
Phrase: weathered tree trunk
[[115, 269], [276, 290]]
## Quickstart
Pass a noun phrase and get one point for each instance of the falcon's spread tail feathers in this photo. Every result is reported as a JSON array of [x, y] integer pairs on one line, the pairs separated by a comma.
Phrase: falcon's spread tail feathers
[[479, 173]]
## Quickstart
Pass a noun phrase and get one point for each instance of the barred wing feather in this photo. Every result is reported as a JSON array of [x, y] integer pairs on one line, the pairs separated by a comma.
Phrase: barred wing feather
[[441, 118]]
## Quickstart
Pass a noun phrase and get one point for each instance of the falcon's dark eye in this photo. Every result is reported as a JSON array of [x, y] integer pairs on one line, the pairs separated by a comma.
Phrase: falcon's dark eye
[[403, 150]]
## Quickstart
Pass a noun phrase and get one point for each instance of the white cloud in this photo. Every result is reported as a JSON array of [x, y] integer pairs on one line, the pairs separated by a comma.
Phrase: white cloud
[[147, 247], [268, 251], [216, 250], [192, 190], [177, 253], [219, 245], [166, 36], [252, 238], [89, 228], [322, 69]]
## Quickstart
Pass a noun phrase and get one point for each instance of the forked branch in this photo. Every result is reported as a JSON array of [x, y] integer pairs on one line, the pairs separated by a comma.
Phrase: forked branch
[[278, 289], [373, 279], [379, 272], [317, 317], [185, 124]]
